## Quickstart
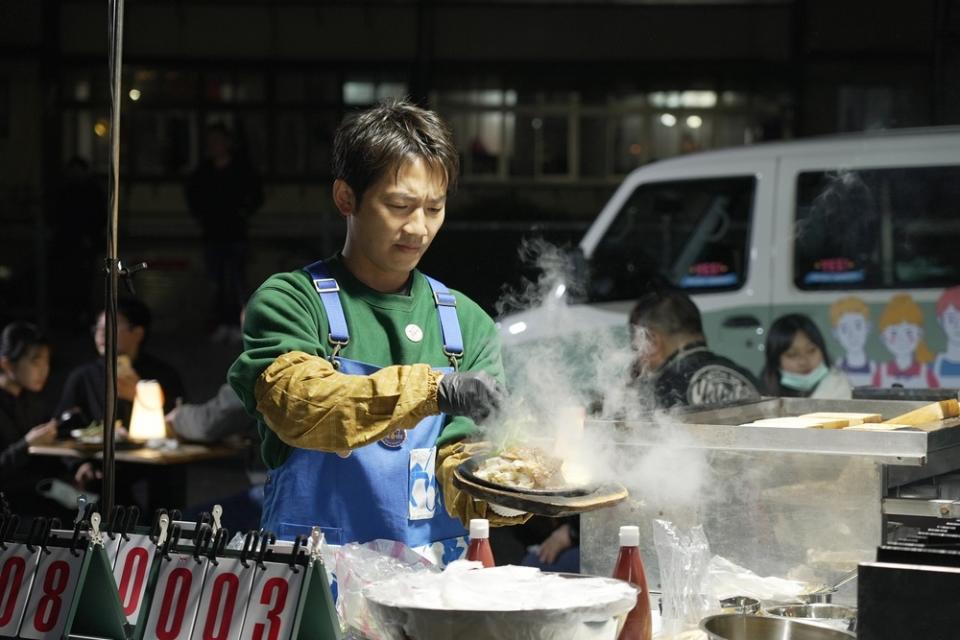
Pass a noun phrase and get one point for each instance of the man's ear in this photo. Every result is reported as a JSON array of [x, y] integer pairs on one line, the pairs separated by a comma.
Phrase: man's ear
[[6, 366], [344, 198], [139, 333]]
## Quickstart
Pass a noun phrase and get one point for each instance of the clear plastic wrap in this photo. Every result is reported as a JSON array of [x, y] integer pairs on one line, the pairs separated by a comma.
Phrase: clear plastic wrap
[[684, 557], [358, 565], [726, 579], [500, 603]]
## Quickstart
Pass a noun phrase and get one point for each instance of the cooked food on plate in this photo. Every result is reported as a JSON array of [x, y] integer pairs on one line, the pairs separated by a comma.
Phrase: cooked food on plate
[[523, 467]]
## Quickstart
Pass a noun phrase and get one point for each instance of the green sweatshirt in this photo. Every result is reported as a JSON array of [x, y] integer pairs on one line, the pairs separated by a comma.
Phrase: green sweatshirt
[[285, 315]]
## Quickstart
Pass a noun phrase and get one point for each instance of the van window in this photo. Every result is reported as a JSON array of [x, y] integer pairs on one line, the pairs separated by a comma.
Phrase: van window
[[691, 234], [877, 228]]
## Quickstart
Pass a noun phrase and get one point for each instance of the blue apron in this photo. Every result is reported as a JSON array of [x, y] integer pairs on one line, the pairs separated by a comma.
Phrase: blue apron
[[387, 489]]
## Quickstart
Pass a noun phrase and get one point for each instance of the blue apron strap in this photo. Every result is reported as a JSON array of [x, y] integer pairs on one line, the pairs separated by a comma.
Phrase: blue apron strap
[[328, 289], [449, 322]]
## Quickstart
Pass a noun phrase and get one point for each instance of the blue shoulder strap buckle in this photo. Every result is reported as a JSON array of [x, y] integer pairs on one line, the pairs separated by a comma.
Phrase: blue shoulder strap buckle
[[329, 291], [449, 322]]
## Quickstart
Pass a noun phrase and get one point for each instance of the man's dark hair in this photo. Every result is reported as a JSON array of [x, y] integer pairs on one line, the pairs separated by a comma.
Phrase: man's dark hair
[[667, 311], [18, 337], [135, 312], [382, 137]]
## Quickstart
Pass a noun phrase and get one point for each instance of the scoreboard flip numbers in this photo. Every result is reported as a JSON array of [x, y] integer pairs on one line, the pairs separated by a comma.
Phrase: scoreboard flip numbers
[[176, 598], [17, 565], [131, 571], [55, 585], [273, 602]]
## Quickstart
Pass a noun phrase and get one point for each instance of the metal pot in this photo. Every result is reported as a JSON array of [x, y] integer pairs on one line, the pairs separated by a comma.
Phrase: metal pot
[[732, 626], [832, 615], [740, 604]]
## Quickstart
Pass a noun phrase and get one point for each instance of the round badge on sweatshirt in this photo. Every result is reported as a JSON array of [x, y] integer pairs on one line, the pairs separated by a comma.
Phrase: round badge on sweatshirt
[[414, 332]]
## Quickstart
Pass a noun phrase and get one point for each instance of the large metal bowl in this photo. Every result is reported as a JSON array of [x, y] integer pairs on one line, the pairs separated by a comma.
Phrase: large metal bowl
[[600, 622], [732, 626], [832, 615]]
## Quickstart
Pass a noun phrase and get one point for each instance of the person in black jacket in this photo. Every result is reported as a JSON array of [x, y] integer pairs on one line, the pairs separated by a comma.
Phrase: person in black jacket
[[24, 419], [85, 390], [673, 365]]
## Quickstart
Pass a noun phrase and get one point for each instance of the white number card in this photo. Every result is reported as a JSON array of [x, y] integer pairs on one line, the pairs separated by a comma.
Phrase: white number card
[[17, 565], [273, 602], [130, 572], [54, 587], [226, 592], [176, 598]]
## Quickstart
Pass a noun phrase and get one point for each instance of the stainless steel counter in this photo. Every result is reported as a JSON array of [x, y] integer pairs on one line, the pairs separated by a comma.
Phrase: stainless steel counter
[[801, 503]]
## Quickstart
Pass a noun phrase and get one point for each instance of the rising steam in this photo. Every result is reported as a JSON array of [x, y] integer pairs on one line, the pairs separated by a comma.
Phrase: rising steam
[[585, 373]]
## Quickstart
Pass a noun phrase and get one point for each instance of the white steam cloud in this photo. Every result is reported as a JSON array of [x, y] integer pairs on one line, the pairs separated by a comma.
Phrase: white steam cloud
[[585, 373]]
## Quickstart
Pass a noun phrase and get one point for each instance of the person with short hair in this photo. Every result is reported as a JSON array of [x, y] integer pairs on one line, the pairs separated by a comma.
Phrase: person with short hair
[[24, 418], [366, 376], [673, 361], [85, 386], [798, 364]]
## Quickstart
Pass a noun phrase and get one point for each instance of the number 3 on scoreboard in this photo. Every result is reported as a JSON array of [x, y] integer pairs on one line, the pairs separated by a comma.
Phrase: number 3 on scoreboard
[[273, 603]]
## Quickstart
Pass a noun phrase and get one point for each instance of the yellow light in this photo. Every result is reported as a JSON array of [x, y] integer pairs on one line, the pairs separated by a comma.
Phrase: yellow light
[[134, 94], [146, 420], [101, 128], [694, 122]]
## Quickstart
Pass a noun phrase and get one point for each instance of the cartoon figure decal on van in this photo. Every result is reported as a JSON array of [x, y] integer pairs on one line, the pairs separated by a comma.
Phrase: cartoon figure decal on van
[[850, 319], [901, 331], [947, 365]]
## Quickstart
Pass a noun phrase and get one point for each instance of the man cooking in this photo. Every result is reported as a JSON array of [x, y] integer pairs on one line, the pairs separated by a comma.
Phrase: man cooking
[[366, 376]]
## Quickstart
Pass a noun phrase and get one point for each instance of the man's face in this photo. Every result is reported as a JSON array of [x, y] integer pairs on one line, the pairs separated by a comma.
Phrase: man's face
[[851, 331], [950, 321], [390, 229], [128, 338], [648, 344]]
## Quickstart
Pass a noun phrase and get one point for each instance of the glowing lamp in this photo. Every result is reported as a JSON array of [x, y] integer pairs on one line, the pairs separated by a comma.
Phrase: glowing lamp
[[147, 420]]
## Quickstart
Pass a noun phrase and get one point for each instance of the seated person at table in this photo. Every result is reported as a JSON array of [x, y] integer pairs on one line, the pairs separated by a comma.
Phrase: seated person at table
[[221, 417], [84, 388], [24, 419], [673, 366], [797, 362]]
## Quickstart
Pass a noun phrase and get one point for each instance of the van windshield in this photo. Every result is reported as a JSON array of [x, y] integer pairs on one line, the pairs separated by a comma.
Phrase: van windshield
[[691, 234]]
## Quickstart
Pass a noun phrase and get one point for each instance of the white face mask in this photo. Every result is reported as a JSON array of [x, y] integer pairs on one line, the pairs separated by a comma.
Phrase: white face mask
[[804, 381]]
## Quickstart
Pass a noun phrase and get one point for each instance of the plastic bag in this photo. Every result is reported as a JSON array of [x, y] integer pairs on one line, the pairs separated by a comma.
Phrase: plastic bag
[[726, 579], [683, 557], [358, 565], [469, 602]]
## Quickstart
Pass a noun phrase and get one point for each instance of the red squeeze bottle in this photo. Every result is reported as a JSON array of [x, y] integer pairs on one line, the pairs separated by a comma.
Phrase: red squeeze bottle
[[629, 567], [479, 549]]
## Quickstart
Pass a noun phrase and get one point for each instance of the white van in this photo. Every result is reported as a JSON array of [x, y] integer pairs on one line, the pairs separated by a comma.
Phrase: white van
[[861, 232]]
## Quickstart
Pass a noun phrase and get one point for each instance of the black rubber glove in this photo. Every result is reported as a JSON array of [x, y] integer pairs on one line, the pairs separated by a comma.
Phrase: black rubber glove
[[474, 394]]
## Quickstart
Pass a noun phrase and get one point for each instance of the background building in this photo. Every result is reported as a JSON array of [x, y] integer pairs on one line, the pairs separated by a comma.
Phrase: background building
[[551, 102]]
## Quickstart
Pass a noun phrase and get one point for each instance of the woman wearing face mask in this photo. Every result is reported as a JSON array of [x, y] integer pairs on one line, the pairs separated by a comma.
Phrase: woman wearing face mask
[[24, 366], [797, 362]]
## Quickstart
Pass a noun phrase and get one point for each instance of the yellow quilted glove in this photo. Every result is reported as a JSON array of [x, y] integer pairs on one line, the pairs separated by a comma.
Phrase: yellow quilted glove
[[460, 504]]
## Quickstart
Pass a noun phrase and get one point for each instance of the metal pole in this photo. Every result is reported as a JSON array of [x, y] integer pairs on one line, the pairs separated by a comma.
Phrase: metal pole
[[112, 264]]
